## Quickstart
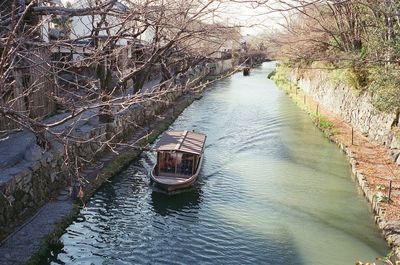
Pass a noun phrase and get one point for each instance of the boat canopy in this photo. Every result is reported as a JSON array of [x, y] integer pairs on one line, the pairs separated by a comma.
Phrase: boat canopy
[[181, 141]]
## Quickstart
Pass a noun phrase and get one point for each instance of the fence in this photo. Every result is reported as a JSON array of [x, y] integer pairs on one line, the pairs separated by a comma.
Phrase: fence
[[32, 90]]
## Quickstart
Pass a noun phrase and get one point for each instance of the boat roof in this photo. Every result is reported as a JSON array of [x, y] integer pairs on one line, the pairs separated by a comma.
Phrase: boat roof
[[181, 141]]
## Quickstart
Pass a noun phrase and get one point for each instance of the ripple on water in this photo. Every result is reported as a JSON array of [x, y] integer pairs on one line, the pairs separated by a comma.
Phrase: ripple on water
[[272, 190]]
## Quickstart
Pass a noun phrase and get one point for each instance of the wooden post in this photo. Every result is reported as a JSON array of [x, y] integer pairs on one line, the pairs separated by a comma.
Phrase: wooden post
[[390, 190], [194, 162], [176, 163], [352, 136], [147, 128], [317, 108], [158, 164]]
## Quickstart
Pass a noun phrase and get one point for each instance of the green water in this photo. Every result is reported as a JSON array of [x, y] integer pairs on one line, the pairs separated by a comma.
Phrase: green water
[[272, 190]]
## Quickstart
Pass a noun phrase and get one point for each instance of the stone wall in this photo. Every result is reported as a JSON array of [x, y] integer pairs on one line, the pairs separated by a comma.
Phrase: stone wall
[[222, 66], [28, 183], [354, 108], [30, 176]]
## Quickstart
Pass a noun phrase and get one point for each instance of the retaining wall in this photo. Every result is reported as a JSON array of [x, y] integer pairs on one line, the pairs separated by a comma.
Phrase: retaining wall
[[354, 108], [31, 177], [357, 110]]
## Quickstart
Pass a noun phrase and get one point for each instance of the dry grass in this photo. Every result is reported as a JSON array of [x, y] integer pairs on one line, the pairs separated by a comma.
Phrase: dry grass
[[372, 159]]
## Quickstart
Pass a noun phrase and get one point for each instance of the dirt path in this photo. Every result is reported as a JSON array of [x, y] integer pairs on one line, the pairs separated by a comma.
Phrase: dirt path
[[371, 163], [372, 160]]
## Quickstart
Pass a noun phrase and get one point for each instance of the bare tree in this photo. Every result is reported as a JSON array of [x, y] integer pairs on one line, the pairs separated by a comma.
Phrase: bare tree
[[93, 58]]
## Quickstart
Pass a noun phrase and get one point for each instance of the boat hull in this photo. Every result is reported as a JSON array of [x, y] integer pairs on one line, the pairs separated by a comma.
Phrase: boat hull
[[175, 183]]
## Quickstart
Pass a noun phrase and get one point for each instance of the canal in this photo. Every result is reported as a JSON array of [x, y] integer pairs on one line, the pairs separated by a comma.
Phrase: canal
[[272, 190]]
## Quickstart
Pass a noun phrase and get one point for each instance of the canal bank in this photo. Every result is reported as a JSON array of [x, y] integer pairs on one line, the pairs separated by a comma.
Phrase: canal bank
[[262, 196], [40, 233], [32, 174], [371, 162], [31, 236]]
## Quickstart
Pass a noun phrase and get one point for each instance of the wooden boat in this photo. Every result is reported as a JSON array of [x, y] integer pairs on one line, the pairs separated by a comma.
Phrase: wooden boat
[[246, 71], [179, 159]]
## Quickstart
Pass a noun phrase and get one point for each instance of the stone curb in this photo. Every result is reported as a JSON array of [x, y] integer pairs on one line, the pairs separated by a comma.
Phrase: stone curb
[[158, 125], [390, 229]]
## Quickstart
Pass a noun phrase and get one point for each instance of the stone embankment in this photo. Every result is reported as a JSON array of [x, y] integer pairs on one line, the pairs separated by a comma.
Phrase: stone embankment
[[366, 135], [38, 181], [34, 178], [353, 107], [31, 176]]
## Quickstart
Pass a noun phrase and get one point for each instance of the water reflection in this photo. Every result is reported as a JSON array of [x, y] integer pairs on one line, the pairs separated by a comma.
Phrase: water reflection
[[167, 203], [272, 190]]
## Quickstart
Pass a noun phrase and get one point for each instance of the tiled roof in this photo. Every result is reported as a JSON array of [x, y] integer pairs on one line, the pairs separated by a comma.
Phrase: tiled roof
[[182, 141]]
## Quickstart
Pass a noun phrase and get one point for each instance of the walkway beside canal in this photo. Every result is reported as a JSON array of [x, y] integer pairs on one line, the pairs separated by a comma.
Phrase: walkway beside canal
[[29, 237], [272, 190], [372, 166]]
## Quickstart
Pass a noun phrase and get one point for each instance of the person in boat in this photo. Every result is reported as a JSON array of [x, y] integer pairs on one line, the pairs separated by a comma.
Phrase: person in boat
[[170, 163], [179, 158]]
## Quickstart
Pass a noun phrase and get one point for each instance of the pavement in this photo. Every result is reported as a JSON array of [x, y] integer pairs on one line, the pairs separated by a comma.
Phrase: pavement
[[28, 238], [12, 153], [18, 247], [14, 149]]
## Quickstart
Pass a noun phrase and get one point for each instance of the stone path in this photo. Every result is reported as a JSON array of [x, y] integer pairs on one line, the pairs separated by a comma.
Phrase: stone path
[[14, 149], [27, 239], [13, 153]]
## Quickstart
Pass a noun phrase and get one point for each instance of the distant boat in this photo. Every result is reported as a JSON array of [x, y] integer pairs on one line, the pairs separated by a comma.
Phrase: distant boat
[[179, 159], [246, 70]]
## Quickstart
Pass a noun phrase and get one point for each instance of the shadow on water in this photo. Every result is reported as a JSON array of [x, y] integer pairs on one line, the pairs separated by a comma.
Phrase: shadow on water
[[164, 203], [272, 191]]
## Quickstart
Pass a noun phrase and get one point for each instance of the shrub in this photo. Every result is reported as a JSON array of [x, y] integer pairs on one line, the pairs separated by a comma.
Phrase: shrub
[[325, 124], [385, 89]]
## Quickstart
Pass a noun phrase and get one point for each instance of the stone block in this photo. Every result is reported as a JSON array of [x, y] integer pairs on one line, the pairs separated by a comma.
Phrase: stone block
[[395, 143], [21, 174], [33, 153], [28, 178], [85, 131], [35, 165], [53, 177], [43, 162], [93, 121], [49, 157], [54, 164], [10, 199], [395, 153], [10, 187]]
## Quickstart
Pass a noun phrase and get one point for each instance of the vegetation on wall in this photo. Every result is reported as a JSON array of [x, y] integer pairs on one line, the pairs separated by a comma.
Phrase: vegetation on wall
[[358, 42]]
